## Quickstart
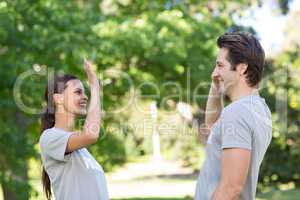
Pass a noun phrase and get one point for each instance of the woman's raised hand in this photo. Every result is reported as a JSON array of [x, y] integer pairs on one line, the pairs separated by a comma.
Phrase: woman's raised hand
[[90, 72]]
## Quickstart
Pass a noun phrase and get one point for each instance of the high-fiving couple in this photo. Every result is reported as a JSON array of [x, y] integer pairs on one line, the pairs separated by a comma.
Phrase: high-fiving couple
[[238, 134]]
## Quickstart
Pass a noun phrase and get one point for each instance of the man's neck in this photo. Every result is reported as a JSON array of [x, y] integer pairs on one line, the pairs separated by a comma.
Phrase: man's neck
[[242, 91], [64, 120]]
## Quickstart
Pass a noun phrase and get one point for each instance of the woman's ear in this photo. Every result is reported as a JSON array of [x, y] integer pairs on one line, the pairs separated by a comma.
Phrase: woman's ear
[[58, 98]]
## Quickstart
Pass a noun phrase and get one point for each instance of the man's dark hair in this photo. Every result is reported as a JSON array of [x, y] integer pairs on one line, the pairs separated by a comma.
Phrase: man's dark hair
[[244, 48]]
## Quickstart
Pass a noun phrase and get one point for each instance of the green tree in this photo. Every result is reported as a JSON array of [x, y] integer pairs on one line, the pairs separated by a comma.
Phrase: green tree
[[154, 41], [50, 33], [283, 90]]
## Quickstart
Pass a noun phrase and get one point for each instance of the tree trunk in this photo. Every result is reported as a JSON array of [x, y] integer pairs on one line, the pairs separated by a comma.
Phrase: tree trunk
[[18, 186], [8, 194]]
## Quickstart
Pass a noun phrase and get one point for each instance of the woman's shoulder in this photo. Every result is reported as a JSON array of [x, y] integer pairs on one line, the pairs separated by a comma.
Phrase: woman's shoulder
[[51, 134], [45, 134]]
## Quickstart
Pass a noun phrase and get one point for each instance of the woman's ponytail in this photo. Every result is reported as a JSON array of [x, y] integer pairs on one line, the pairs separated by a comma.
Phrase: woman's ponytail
[[48, 121]]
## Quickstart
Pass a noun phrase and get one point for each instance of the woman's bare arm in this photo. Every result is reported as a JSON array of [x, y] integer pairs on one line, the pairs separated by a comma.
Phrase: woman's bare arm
[[91, 128]]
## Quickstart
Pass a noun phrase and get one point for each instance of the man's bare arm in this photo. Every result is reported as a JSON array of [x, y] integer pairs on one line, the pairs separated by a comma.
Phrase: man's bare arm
[[214, 106], [234, 170]]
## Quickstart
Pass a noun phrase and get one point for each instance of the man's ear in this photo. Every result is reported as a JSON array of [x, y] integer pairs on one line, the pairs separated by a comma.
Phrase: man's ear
[[242, 68], [58, 98]]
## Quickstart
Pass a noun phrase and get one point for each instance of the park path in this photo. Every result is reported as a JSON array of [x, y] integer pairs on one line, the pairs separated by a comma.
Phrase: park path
[[152, 179]]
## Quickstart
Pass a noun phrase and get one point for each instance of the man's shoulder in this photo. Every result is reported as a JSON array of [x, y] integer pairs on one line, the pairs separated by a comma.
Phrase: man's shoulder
[[235, 109], [244, 106]]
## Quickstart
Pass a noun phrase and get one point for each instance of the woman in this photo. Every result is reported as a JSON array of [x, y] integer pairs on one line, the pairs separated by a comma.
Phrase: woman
[[69, 168]]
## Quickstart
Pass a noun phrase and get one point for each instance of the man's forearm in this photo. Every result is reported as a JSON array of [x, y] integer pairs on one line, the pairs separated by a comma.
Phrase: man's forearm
[[214, 106], [224, 192]]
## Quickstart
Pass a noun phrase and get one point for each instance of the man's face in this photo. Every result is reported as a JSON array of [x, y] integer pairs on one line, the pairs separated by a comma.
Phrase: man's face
[[223, 72]]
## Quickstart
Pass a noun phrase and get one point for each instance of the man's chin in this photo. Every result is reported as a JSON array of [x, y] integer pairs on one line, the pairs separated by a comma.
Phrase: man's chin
[[224, 94], [227, 98]]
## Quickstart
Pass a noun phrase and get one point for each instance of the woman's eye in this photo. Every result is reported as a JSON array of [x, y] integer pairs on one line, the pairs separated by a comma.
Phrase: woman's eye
[[78, 92]]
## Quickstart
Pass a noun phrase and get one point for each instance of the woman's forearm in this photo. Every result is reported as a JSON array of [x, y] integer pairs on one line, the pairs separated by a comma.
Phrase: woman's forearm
[[92, 122]]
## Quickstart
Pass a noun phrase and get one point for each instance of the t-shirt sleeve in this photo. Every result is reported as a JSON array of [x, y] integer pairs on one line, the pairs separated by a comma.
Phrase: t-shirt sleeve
[[235, 129], [54, 144]]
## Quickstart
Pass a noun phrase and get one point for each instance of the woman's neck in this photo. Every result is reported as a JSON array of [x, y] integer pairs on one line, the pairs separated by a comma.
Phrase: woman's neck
[[65, 121]]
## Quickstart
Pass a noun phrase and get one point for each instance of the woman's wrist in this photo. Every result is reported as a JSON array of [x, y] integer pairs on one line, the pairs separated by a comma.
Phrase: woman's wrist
[[94, 84]]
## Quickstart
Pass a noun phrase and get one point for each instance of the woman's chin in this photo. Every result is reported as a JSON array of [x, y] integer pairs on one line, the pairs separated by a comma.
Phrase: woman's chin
[[82, 112]]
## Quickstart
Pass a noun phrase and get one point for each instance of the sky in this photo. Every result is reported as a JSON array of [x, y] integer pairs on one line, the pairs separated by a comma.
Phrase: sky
[[268, 24]]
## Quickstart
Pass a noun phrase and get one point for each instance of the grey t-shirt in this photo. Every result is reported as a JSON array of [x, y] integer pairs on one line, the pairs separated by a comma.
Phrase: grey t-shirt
[[75, 176], [245, 123]]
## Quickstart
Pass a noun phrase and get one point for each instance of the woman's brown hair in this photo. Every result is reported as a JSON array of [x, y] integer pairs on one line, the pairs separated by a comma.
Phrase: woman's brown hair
[[55, 85]]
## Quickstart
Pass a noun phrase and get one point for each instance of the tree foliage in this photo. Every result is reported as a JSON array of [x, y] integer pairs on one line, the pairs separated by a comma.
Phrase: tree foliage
[[162, 48]]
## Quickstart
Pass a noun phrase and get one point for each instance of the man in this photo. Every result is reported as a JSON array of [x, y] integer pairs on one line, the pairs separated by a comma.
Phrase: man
[[239, 134]]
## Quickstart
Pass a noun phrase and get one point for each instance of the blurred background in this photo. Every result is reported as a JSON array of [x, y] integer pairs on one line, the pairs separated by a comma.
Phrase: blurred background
[[154, 59]]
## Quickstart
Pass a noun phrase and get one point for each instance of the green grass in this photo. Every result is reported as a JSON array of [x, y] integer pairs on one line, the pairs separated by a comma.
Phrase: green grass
[[155, 198], [292, 194]]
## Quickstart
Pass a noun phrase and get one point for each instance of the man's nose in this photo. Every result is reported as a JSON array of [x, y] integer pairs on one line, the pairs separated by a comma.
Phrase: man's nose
[[216, 72]]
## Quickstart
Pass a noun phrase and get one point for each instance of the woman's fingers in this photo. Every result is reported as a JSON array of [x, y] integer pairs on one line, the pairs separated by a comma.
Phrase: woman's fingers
[[87, 64], [91, 74], [88, 67]]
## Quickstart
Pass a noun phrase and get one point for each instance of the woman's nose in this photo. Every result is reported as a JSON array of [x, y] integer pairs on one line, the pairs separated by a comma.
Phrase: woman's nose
[[85, 97]]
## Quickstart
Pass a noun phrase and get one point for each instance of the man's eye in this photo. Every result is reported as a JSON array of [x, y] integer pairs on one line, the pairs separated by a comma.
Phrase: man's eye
[[78, 92]]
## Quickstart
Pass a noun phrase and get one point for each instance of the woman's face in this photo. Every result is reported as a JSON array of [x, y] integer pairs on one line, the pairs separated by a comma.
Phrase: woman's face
[[74, 98]]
